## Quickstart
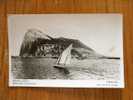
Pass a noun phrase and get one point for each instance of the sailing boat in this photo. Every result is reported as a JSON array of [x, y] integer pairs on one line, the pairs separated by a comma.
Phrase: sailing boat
[[64, 59]]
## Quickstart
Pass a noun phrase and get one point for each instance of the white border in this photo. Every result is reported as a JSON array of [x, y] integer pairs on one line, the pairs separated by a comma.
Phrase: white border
[[67, 83]]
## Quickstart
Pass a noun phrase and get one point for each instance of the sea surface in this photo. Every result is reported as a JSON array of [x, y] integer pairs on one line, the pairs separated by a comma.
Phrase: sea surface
[[42, 68]]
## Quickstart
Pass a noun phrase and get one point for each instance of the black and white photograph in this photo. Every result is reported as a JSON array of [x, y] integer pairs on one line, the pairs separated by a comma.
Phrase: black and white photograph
[[66, 50]]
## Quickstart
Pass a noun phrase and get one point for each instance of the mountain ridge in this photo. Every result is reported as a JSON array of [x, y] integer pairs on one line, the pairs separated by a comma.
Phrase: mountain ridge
[[36, 43]]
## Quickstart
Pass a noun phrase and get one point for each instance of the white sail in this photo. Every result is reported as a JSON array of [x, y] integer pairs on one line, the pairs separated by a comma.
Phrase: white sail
[[65, 57]]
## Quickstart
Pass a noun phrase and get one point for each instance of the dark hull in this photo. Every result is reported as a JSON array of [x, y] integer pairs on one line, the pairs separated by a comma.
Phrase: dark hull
[[62, 68]]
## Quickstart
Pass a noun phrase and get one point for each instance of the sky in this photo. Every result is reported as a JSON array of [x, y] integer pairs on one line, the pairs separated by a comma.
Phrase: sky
[[101, 32]]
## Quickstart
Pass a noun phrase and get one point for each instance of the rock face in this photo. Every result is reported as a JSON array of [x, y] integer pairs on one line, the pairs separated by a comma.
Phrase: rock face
[[29, 43], [39, 44]]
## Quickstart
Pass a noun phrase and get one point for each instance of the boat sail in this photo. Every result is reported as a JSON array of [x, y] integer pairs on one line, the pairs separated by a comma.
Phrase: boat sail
[[65, 57]]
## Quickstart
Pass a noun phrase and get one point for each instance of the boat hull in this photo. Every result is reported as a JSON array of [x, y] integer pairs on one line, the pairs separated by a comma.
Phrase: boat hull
[[62, 68]]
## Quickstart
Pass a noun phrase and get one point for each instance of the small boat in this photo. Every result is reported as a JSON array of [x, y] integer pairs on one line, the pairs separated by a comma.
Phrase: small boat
[[64, 59]]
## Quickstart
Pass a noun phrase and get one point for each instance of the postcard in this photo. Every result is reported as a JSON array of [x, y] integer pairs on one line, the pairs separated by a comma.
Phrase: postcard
[[66, 50]]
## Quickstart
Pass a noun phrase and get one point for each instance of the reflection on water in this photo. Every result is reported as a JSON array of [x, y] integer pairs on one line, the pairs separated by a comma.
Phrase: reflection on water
[[42, 68], [36, 68]]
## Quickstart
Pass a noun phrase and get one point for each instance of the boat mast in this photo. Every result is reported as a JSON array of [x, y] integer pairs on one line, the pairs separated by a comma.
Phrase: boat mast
[[65, 57]]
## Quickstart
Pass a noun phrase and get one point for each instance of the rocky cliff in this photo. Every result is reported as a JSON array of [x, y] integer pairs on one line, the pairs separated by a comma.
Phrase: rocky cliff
[[38, 44]]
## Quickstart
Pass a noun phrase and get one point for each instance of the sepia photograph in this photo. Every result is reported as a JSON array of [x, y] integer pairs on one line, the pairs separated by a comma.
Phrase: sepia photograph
[[66, 50]]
